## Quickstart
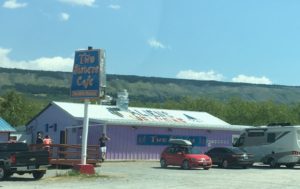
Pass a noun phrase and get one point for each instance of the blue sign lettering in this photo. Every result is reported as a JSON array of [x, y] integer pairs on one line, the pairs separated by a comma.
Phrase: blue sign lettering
[[162, 140], [86, 74]]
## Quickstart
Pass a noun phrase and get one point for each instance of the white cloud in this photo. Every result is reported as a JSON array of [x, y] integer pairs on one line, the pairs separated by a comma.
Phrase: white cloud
[[190, 74], [45, 63], [64, 16], [156, 44], [88, 3], [13, 4], [251, 79], [114, 7]]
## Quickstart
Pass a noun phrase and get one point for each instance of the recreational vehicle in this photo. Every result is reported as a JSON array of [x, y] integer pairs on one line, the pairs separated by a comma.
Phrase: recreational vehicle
[[275, 144]]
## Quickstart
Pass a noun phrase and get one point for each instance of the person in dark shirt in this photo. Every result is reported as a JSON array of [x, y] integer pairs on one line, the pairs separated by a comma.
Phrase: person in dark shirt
[[102, 142], [39, 139]]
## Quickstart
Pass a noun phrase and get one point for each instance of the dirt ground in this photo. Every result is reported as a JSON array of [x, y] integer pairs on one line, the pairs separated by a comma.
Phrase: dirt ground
[[144, 175]]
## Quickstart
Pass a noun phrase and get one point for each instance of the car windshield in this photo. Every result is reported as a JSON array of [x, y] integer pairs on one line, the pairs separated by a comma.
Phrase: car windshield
[[237, 150], [193, 151]]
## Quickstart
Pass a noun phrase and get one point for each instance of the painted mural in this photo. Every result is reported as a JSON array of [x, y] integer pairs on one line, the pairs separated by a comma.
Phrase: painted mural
[[153, 115]]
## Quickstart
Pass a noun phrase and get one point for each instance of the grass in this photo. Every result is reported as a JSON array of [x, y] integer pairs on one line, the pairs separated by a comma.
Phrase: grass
[[77, 174]]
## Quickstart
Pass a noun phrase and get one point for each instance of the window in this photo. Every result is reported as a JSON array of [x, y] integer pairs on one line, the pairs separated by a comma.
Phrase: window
[[271, 137], [256, 134], [171, 150], [298, 134], [240, 141]]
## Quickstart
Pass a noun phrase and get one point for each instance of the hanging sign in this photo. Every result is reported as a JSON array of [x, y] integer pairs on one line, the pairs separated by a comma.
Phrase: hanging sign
[[86, 74]]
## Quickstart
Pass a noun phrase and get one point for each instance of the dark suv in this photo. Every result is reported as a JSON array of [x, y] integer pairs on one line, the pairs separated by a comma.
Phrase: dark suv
[[230, 156]]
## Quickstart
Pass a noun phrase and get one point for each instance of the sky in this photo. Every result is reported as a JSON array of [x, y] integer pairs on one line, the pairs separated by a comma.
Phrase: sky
[[250, 41]]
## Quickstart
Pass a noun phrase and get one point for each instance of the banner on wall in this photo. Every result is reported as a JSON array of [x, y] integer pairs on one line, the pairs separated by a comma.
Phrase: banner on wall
[[162, 140]]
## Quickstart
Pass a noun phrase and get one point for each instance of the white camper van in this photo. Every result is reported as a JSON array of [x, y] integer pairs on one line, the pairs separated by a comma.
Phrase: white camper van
[[275, 144]]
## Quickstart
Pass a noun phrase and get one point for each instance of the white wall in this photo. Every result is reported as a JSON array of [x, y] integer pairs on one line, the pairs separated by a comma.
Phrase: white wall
[[50, 116], [4, 137]]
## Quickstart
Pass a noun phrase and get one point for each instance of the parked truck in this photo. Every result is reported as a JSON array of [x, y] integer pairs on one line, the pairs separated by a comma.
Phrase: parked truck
[[17, 158]]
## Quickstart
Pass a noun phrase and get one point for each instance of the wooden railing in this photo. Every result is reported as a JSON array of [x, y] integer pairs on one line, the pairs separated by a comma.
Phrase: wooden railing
[[65, 154]]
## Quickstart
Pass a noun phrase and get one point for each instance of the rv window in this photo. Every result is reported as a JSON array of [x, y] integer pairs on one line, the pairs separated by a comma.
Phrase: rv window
[[271, 137], [255, 134], [240, 141], [298, 134]]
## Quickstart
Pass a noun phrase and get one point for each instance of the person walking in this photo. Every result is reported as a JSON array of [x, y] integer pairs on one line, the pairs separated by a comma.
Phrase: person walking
[[102, 142]]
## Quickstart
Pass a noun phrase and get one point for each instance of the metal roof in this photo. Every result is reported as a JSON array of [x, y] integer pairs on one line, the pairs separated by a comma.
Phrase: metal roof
[[135, 116], [5, 127]]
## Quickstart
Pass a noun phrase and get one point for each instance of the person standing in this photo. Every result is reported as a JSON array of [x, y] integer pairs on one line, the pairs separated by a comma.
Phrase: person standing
[[47, 142], [102, 142], [39, 139]]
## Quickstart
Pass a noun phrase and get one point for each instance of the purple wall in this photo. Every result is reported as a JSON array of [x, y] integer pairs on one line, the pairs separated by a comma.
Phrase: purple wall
[[123, 144]]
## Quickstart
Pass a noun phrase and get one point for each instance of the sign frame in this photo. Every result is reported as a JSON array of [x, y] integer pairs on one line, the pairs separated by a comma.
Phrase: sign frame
[[86, 77]]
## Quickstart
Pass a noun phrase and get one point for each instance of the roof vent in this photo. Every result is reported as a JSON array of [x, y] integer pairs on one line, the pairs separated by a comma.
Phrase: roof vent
[[107, 100], [122, 100]]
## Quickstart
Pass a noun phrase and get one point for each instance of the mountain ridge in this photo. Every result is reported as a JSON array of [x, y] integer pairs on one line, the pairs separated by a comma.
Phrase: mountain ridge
[[55, 85]]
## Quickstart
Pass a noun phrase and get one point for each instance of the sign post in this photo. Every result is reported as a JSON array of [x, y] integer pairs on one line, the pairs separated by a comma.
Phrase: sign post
[[85, 132], [86, 83]]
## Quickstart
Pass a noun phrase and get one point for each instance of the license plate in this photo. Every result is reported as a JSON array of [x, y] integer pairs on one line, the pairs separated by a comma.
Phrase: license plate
[[21, 168], [31, 167]]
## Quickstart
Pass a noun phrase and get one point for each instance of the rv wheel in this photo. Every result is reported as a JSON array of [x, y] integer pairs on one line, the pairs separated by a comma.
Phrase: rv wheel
[[273, 163], [290, 165]]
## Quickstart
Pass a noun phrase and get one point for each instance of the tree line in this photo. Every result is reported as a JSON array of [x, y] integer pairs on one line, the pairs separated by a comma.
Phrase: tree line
[[236, 111], [17, 109]]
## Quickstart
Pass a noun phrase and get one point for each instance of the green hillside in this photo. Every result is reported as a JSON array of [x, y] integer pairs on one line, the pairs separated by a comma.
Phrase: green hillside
[[48, 86], [24, 93]]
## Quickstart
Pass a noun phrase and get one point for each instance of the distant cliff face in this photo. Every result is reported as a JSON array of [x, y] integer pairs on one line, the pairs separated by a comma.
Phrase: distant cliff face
[[55, 86]]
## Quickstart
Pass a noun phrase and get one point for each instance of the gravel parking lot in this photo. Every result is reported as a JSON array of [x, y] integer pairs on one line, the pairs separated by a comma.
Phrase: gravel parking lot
[[129, 175]]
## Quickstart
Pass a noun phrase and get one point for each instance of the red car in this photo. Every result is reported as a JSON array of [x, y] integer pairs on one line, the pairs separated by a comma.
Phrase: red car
[[185, 156]]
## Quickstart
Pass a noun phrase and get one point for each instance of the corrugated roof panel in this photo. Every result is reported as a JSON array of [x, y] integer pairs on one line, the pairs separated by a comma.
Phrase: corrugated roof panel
[[5, 127], [146, 116]]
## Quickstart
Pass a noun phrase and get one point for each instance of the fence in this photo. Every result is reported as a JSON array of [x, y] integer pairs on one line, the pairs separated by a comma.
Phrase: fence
[[65, 154]]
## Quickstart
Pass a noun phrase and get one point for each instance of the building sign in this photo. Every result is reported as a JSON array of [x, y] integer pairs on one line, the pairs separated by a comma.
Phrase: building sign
[[162, 140], [88, 66]]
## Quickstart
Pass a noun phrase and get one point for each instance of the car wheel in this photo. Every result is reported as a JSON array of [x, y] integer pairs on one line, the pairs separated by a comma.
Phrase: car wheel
[[206, 168], [37, 174], [245, 166], [186, 164], [163, 163], [225, 164], [2, 173]]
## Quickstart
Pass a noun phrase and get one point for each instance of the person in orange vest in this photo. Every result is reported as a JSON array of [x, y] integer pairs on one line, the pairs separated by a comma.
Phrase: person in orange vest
[[47, 142]]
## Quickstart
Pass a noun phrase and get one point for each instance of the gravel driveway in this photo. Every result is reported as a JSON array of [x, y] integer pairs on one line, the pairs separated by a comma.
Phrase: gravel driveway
[[144, 175]]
